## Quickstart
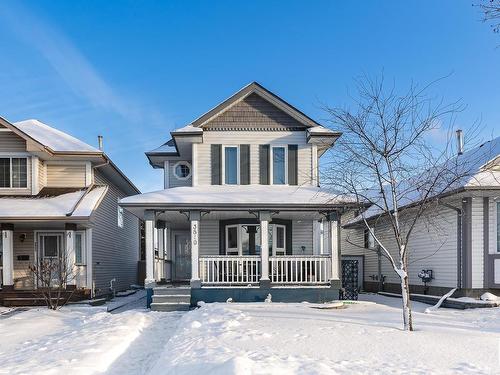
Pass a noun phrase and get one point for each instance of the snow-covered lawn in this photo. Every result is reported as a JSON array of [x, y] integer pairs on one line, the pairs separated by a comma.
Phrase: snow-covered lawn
[[257, 338]]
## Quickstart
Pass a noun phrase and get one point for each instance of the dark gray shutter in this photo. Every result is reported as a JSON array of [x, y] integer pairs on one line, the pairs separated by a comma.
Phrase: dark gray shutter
[[292, 165], [244, 164], [215, 151], [264, 164]]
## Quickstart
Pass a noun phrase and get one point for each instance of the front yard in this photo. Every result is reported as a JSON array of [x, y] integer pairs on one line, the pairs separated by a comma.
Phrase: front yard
[[257, 338]]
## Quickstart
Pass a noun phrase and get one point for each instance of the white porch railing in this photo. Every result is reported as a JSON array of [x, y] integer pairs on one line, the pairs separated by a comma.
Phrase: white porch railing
[[230, 269], [244, 270], [297, 269]]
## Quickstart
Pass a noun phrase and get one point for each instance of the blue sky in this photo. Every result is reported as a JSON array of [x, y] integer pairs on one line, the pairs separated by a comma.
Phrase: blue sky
[[133, 71]]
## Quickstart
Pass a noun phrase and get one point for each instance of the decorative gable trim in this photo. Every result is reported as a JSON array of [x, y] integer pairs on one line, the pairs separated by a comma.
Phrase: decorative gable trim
[[254, 88]]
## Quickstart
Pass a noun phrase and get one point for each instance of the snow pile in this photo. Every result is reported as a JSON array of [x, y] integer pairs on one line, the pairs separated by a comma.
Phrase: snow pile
[[263, 338], [489, 297], [77, 340]]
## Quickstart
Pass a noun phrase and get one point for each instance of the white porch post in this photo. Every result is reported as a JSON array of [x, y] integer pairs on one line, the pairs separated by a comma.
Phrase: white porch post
[[69, 234], [195, 217], [264, 217], [334, 244], [149, 218], [8, 255]]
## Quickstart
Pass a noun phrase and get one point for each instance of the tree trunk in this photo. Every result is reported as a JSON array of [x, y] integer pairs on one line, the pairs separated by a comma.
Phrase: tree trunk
[[405, 293]]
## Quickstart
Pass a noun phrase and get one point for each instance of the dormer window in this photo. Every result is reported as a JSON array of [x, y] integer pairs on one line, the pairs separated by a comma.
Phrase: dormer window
[[13, 172]]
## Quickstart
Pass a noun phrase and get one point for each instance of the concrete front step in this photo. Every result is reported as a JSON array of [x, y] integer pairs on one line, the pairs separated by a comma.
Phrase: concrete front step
[[170, 306], [161, 291], [185, 298]]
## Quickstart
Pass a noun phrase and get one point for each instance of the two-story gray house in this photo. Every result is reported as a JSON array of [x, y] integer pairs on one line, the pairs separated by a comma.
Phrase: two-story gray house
[[242, 214], [59, 200]]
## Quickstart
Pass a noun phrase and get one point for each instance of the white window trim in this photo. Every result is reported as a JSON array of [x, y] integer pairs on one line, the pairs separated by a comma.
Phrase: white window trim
[[11, 156], [276, 249], [232, 250], [84, 249], [223, 164], [271, 166], [187, 164]]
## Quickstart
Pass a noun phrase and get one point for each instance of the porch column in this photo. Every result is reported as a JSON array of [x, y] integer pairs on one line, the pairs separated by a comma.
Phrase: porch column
[[194, 217], [88, 253], [8, 256], [264, 217], [334, 244], [149, 218], [69, 230]]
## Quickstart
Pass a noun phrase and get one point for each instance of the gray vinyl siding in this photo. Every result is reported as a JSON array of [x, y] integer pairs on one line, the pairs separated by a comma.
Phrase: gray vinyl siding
[[115, 250], [11, 142], [209, 237], [301, 236], [433, 245], [254, 139], [66, 175], [176, 182], [477, 243], [22, 275]]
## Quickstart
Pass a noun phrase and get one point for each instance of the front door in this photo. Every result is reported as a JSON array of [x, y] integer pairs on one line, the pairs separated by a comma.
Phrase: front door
[[50, 250], [182, 265]]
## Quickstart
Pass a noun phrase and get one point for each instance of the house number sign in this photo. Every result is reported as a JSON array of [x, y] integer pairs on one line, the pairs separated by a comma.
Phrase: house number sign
[[194, 233]]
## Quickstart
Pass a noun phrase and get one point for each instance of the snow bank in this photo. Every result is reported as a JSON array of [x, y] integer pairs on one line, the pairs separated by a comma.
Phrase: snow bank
[[278, 338]]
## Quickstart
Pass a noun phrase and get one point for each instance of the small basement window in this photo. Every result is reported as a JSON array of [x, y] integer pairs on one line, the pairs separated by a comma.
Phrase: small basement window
[[182, 170]]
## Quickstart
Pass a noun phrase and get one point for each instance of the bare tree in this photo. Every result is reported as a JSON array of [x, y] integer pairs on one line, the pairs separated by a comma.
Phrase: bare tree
[[389, 160], [52, 276], [491, 13]]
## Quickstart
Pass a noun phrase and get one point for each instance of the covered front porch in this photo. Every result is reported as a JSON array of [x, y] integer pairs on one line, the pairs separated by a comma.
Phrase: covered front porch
[[243, 254], [25, 244]]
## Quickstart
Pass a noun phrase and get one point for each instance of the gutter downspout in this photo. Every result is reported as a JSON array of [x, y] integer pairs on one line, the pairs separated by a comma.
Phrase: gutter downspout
[[459, 212]]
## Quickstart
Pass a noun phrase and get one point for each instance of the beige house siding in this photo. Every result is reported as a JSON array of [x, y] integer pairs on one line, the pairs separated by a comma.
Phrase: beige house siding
[[42, 174], [253, 111], [115, 250], [22, 276], [11, 142], [254, 139], [66, 175]]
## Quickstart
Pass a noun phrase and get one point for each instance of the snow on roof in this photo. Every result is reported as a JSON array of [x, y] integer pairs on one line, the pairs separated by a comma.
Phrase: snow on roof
[[51, 207], [54, 139], [227, 195], [475, 165], [188, 129], [321, 130], [164, 148]]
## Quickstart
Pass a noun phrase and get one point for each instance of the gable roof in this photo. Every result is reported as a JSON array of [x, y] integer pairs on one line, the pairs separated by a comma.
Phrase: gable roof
[[54, 139], [255, 88], [480, 172], [56, 142]]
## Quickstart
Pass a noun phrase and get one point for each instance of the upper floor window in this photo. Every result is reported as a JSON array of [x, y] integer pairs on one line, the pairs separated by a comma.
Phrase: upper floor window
[[231, 165], [182, 170], [13, 172], [279, 171], [369, 239]]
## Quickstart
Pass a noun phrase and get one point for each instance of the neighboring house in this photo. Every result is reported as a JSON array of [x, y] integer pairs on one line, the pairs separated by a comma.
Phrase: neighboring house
[[59, 197], [242, 214], [458, 241]]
